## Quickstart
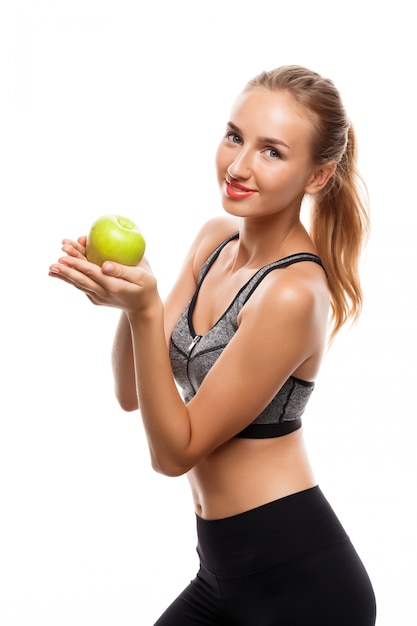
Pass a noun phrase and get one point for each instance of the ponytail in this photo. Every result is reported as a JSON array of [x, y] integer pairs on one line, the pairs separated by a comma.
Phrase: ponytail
[[339, 229], [339, 221]]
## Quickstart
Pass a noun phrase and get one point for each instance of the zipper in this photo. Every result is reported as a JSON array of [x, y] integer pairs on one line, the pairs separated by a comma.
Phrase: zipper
[[194, 342]]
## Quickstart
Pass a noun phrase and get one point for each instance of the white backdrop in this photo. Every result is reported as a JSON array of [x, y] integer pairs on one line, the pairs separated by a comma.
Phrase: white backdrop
[[118, 107]]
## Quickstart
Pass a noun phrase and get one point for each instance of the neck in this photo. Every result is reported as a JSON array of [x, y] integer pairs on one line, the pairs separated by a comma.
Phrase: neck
[[264, 241]]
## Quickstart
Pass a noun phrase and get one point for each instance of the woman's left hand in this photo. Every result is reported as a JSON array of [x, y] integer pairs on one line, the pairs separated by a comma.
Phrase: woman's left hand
[[131, 289]]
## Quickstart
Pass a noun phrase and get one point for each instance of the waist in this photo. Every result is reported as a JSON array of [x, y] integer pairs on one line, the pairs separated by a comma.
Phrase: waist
[[269, 534], [245, 473]]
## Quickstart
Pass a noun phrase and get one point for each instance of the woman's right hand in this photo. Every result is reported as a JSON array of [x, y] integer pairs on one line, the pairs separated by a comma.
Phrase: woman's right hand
[[75, 248], [131, 289]]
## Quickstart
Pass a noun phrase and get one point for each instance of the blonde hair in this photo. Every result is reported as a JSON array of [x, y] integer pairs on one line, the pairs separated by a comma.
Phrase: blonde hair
[[339, 213]]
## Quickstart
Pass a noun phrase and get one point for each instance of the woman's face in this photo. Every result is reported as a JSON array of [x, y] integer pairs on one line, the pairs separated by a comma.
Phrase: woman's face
[[264, 163]]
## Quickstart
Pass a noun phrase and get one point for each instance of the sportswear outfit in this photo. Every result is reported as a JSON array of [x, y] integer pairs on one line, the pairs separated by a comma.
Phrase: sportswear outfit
[[288, 562]]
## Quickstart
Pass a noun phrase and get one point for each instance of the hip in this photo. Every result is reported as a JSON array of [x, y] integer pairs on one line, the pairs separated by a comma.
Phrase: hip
[[268, 535]]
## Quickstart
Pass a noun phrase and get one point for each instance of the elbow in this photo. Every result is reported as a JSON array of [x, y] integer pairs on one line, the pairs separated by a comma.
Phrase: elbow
[[128, 406], [127, 402], [169, 467]]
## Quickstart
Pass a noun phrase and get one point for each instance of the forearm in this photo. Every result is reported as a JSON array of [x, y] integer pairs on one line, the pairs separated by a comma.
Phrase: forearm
[[164, 413], [123, 366]]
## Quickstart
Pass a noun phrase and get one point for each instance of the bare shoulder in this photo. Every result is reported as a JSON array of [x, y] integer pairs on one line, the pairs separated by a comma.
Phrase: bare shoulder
[[300, 290], [292, 306], [211, 235], [208, 238]]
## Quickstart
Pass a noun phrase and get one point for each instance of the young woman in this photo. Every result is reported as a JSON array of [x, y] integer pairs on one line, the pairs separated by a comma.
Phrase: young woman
[[243, 333]]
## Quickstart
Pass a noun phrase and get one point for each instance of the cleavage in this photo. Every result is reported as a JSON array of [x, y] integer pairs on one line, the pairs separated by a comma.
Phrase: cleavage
[[217, 292]]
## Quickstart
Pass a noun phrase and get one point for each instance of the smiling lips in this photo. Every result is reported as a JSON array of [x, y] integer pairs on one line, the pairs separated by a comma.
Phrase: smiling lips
[[234, 190]]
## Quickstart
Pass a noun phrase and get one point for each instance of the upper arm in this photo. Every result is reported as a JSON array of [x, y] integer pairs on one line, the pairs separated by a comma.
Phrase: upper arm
[[280, 329]]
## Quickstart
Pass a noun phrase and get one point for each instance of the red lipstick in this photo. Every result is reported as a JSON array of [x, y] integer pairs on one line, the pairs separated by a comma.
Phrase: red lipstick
[[237, 191]]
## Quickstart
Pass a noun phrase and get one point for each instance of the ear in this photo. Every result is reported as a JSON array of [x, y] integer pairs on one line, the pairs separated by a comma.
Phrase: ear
[[320, 177]]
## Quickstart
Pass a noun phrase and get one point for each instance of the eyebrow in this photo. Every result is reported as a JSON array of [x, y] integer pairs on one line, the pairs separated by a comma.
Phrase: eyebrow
[[270, 140]]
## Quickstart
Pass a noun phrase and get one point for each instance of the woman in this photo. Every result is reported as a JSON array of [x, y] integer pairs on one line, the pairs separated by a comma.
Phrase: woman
[[243, 333]]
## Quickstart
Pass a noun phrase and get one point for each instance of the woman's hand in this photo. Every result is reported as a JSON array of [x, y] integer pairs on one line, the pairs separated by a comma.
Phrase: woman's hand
[[131, 289], [75, 248]]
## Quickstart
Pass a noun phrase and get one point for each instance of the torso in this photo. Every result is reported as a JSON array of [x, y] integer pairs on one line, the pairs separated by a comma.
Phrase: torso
[[244, 473]]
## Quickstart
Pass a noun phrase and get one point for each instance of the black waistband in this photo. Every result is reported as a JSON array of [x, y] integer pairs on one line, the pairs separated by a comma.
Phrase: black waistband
[[269, 534]]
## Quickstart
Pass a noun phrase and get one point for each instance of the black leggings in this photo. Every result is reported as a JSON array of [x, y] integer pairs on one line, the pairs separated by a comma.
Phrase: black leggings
[[287, 563]]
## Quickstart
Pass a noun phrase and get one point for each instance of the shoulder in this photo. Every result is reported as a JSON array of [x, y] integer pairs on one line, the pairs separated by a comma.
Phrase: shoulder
[[207, 239], [211, 235], [293, 300], [300, 287]]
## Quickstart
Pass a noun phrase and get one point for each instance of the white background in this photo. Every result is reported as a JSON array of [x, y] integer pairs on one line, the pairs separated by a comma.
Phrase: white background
[[118, 107]]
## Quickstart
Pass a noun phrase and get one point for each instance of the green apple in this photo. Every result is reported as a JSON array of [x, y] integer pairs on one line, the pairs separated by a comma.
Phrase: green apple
[[115, 238]]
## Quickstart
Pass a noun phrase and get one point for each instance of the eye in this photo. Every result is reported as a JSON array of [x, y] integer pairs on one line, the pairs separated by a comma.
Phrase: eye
[[272, 153], [233, 137]]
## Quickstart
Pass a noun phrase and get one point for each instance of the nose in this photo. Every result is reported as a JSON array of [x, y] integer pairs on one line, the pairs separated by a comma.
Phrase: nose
[[240, 167]]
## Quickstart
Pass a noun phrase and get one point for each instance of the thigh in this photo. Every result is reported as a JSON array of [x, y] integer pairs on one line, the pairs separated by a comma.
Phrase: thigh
[[325, 587], [340, 591], [200, 604]]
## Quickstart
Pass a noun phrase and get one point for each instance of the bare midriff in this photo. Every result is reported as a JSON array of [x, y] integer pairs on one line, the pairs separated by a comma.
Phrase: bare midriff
[[243, 474]]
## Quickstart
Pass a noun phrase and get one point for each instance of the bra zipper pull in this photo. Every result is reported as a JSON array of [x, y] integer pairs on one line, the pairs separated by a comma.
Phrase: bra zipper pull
[[193, 343]]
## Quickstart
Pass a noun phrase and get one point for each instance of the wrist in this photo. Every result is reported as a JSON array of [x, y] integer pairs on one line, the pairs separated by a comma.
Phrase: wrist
[[149, 314]]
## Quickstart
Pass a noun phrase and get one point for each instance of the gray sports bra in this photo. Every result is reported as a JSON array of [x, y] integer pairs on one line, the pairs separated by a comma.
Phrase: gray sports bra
[[193, 355]]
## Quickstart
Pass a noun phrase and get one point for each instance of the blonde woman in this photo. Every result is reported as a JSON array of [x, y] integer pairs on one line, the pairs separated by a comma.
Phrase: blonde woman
[[243, 334]]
